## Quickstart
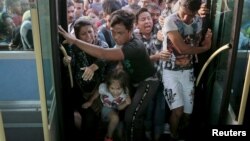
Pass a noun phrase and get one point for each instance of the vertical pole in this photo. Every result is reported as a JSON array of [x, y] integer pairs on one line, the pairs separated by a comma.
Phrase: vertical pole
[[244, 93], [2, 133], [39, 66]]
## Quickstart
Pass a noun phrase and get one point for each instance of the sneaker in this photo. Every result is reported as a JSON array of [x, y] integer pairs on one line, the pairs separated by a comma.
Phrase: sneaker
[[148, 135], [108, 139], [166, 129]]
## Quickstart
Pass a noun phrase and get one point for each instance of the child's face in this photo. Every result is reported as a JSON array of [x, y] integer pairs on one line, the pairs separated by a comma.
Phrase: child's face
[[115, 88]]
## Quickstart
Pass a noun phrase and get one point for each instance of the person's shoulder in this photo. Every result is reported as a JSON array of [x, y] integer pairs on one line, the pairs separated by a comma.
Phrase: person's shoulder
[[103, 87], [101, 43], [134, 42]]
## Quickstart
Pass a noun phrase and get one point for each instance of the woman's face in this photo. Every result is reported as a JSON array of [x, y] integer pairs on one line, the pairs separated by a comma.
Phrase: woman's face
[[145, 23], [87, 34]]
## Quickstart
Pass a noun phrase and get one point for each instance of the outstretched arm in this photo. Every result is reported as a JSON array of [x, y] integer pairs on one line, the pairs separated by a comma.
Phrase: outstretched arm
[[114, 54]]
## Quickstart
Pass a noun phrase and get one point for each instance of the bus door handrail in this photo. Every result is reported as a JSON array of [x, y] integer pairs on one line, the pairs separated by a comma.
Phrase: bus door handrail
[[218, 51]]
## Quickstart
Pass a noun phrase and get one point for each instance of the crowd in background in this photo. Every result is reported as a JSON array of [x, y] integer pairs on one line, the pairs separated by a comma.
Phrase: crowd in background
[[15, 24], [161, 90]]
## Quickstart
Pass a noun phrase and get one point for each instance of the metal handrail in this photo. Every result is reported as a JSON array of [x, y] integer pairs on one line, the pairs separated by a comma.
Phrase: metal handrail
[[209, 60]]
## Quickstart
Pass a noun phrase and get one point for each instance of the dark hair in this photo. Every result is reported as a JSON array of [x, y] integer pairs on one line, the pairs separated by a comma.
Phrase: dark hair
[[109, 6], [70, 3], [121, 76], [10, 3], [80, 23], [124, 17], [153, 6], [192, 5], [142, 10], [78, 1], [3, 26]]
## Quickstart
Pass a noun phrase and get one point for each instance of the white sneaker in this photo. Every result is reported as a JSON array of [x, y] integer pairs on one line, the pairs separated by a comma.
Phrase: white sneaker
[[166, 129]]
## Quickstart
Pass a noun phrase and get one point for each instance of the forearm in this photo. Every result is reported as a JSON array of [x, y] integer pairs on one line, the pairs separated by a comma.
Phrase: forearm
[[90, 49], [155, 57], [94, 97], [122, 106], [98, 52]]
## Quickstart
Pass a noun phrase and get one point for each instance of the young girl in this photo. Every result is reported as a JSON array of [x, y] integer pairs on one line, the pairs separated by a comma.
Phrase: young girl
[[114, 96]]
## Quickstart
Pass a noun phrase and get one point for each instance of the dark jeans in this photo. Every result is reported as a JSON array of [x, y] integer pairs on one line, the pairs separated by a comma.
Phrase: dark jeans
[[135, 113]]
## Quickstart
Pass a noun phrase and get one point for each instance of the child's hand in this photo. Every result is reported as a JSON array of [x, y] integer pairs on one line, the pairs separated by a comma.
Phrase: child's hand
[[128, 100], [86, 105]]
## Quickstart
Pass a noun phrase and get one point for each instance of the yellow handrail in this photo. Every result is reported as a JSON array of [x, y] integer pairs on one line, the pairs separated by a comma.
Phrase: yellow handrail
[[244, 93], [2, 133], [39, 66], [209, 60]]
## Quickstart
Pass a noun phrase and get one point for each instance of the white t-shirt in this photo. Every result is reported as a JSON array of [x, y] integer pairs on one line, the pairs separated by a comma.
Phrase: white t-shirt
[[191, 34], [107, 98]]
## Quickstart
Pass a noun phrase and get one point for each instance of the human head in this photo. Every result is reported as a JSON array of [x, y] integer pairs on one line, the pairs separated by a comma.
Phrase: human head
[[14, 6], [188, 9], [1, 5], [6, 24], [121, 22], [144, 21], [25, 5], [78, 8], [154, 11], [93, 14], [84, 30], [70, 11], [117, 82], [133, 2], [26, 16], [109, 6], [144, 3]]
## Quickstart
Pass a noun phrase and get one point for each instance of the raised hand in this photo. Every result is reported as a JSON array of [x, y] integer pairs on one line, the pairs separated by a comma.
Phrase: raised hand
[[70, 39]]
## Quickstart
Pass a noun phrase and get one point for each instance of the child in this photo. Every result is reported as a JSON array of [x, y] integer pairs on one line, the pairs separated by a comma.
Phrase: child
[[115, 97]]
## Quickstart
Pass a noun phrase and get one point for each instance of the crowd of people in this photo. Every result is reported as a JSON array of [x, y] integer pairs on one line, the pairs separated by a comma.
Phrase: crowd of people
[[129, 59], [15, 24]]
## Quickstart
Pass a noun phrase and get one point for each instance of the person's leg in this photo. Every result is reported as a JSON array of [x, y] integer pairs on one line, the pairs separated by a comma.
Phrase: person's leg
[[159, 113], [90, 122], [174, 121], [188, 98], [77, 120], [173, 92], [113, 122], [135, 112], [148, 122]]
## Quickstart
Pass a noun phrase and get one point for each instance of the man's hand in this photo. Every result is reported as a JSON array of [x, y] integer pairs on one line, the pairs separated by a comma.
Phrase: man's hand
[[208, 39], [203, 11]]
